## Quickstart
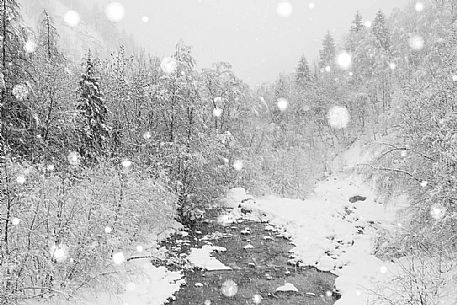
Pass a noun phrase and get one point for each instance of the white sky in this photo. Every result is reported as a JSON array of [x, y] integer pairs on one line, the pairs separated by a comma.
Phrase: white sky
[[247, 33]]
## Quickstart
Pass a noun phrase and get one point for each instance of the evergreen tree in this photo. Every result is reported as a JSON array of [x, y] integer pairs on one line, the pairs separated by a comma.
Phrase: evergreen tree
[[357, 24], [327, 54], [380, 30], [15, 119], [91, 128], [303, 73]]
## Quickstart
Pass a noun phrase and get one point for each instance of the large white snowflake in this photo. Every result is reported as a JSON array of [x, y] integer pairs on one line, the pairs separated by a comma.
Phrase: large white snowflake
[[115, 11], [338, 117], [168, 65]]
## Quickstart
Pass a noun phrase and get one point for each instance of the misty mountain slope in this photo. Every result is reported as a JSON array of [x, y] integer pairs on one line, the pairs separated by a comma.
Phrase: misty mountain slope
[[94, 32]]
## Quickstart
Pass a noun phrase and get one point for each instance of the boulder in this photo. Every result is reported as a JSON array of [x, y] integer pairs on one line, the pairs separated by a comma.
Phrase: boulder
[[356, 198]]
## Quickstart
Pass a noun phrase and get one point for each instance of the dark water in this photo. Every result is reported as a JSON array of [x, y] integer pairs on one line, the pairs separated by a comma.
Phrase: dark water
[[256, 271]]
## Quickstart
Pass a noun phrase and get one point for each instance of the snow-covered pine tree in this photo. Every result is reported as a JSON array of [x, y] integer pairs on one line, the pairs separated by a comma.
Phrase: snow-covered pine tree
[[357, 34], [357, 23], [91, 120], [327, 53], [380, 30], [303, 74]]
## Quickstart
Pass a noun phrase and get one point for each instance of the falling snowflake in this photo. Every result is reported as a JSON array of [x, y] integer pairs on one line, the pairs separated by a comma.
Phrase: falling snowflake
[[20, 179], [30, 46], [416, 43], [403, 153], [419, 6], [423, 183], [21, 91], [139, 249], [74, 158], [72, 18], [284, 9], [344, 60], [118, 258], [217, 112], [454, 78], [437, 211], [368, 24], [50, 167], [15, 221], [59, 252], [282, 104], [328, 293], [383, 269], [147, 135], [257, 299], [168, 65], [207, 302], [115, 11], [351, 73], [145, 19], [229, 288], [126, 163], [311, 5], [392, 66], [338, 117], [238, 165], [328, 68], [108, 230]]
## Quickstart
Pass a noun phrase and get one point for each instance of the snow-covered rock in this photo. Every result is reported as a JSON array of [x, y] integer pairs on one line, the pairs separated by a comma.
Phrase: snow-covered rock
[[246, 231], [269, 228], [248, 204], [201, 258], [288, 287]]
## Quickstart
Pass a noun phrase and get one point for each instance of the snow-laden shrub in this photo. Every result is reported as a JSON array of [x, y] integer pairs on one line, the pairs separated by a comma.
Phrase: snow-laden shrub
[[420, 280], [60, 229], [288, 172]]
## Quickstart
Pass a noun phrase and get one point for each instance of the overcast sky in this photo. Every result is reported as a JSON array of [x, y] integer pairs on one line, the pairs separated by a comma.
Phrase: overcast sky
[[249, 34]]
